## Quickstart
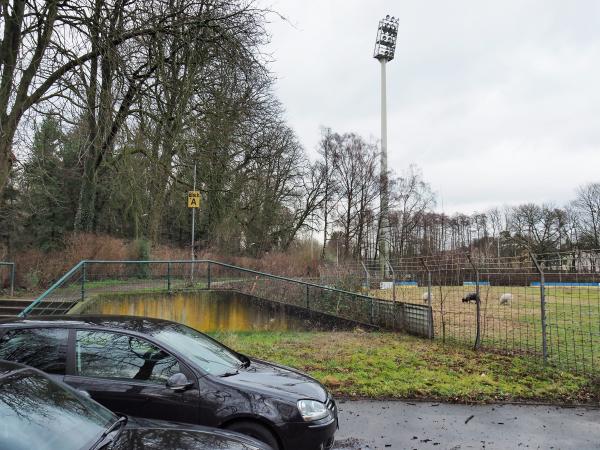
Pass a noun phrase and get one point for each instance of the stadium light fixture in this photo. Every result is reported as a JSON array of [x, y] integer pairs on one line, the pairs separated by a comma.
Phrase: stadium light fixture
[[385, 43], [385, 48]]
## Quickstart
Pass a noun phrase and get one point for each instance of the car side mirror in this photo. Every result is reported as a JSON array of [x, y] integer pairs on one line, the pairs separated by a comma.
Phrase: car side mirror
[[86, 394], [244, 359], [178, 382]]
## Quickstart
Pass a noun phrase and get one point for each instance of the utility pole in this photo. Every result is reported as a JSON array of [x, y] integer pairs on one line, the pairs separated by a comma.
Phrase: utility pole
[[193, 230], [385, 46]]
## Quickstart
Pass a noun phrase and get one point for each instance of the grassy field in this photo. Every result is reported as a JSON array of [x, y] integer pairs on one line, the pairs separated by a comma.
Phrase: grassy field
[[390, 365], [572, 314]]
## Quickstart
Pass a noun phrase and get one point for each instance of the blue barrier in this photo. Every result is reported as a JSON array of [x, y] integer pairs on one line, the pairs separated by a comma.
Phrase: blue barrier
[[407, 283], [565, 284], [473, 283]]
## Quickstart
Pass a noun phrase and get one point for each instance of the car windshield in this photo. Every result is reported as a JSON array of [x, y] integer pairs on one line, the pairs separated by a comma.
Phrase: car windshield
[[37, 413], [203, 351]]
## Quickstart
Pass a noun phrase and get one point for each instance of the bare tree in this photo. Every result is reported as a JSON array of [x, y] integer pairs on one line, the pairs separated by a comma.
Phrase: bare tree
[[44, 42], [587, 207], [411, 197], [356, 179], [327, 153], [537, 227]]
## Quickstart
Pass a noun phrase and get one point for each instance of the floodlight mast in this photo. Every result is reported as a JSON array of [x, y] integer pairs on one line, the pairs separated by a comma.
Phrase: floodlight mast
[[385, 46]]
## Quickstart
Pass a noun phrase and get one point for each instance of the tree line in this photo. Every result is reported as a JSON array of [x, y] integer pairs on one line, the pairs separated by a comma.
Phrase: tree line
[[106, 107], [255, 206], [349, 215]]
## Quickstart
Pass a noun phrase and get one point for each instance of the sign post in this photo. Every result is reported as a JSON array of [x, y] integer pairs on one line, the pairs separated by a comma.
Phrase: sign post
[[193, 204]]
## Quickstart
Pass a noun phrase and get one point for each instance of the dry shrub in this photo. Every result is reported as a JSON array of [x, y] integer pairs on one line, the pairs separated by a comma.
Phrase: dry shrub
[[5, 271], [296, 263], [5, 277], [287, 264], [95, 246], [36, 269], [168, 253], [348, 277]]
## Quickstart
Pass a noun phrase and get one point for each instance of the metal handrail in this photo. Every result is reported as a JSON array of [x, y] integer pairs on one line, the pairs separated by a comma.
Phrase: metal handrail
[[230, 266], [85, 262], [55, 286]]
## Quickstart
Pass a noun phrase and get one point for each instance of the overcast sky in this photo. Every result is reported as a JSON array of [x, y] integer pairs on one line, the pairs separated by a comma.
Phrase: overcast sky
[[498, 102]]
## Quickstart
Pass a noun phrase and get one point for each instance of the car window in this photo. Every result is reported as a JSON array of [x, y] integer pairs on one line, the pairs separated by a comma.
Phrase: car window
[[36, 413], [42, 348], [205, 352], [115, 355]]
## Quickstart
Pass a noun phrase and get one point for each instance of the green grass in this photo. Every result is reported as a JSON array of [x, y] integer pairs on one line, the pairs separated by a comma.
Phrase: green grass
[[137, 284], [389, 365], [105, 283], [572, 317]]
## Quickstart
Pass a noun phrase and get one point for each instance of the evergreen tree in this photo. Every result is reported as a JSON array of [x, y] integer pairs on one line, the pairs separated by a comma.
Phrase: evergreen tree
[[45, 198]]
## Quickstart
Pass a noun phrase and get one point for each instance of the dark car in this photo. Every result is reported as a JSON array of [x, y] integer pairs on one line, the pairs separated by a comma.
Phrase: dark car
[[39, 413], [159, 369]]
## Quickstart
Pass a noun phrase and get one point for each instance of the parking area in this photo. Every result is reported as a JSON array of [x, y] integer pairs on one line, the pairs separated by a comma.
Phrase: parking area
[[408, 425]]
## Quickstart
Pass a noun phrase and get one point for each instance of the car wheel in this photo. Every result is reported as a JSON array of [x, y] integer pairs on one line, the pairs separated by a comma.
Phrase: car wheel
[[255, 430]]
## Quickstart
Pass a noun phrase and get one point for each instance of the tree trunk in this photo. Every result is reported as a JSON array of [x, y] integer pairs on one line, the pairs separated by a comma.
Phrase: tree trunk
[[84, 219], [159, 196], [6, 160]]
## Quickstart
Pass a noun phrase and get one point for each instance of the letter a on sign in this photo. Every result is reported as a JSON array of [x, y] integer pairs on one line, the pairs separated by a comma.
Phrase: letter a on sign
[[194, 199]]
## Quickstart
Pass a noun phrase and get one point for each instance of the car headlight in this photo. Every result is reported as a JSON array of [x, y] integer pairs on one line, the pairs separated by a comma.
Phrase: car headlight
[[312, 410]]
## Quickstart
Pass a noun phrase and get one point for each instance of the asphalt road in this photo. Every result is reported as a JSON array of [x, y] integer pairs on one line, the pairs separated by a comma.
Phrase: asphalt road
[[403, 425]]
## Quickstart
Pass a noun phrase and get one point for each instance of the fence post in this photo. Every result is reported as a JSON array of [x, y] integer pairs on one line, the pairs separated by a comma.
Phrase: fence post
[[542, 305], [371, 315], [208, 276], [307, 298], [12, 280], [428, 270], [169, 277], [477, 304], [367, 275], [430, 313], [429, 302], [429, 287], [83, 273], [393, 281]]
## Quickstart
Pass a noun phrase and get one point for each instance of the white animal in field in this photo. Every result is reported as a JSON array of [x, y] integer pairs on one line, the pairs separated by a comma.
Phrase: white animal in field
[[506, 298], [426, 297]]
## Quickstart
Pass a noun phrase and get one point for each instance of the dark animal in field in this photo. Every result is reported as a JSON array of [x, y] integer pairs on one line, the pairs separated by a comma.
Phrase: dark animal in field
[[472, 297]]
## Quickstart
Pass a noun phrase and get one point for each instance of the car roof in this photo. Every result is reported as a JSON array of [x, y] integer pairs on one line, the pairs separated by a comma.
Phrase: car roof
[[129, 323]]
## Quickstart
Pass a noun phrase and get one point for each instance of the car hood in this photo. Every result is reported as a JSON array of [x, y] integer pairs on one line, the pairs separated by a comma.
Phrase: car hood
[[146, 434], [277, 380]]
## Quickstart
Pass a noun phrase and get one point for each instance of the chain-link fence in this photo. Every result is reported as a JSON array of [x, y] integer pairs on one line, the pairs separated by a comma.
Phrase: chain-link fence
[[546, 305]]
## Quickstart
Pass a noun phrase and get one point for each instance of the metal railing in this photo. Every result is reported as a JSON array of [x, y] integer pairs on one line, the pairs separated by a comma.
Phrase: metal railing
[[10, 266], [90, 278]]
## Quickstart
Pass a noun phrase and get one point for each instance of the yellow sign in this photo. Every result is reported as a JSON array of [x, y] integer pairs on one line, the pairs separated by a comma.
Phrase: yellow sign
[[194, 199]]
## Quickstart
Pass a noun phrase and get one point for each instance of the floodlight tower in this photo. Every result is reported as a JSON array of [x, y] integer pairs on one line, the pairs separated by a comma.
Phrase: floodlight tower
[[385, 46]]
